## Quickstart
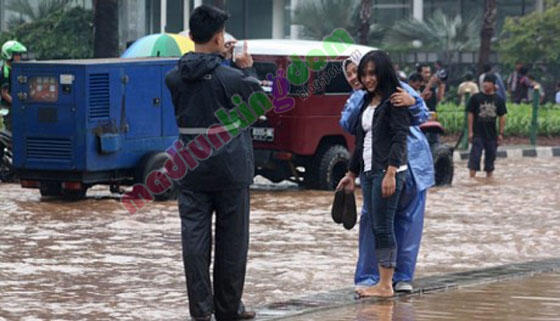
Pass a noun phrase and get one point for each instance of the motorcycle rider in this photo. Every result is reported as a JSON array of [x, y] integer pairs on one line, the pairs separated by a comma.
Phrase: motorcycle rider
[[11, 52]]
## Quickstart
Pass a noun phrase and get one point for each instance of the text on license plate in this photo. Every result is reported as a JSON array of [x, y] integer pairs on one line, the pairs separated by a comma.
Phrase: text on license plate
[[263, 134]]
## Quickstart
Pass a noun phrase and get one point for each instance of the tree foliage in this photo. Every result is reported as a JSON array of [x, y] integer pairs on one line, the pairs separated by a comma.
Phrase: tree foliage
[[64, 34], [439, 33], [29, 12], [320, 17], [532, 38]]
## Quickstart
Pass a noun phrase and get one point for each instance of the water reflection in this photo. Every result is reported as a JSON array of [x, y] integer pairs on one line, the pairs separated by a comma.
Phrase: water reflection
[[530, 299]]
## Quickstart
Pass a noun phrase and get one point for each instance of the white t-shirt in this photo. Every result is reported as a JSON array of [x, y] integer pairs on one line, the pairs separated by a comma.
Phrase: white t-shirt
[[367, 120]]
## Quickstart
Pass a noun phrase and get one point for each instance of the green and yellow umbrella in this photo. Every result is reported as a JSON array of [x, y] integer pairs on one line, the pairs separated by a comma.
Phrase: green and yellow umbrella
[[159, 45]]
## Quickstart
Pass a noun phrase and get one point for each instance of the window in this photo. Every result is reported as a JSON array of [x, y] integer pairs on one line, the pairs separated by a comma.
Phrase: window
[[265, 68], [331, 80]]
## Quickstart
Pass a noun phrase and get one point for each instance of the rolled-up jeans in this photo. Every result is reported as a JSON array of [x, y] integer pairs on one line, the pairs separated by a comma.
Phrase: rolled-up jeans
[[382, 214]]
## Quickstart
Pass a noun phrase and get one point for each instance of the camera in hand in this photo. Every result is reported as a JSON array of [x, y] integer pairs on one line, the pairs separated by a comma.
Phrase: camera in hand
[[442, 74]]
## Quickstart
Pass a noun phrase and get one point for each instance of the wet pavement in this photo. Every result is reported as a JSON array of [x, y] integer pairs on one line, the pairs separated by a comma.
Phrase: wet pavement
[[530, 299], [92, 260]]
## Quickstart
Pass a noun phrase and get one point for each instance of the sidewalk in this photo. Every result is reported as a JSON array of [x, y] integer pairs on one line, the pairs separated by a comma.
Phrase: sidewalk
[[515, 152], [345, 297]]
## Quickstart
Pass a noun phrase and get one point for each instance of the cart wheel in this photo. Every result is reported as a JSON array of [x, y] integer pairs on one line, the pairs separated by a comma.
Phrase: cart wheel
[[74, 195], [443, 164], [50, 189]]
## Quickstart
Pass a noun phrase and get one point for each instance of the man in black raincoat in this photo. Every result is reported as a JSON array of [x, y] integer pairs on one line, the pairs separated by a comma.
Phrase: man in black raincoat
[[200, 85]]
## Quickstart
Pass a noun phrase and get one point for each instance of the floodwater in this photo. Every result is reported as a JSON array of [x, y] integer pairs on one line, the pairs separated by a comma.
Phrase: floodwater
[[533, 299], [92, 260]]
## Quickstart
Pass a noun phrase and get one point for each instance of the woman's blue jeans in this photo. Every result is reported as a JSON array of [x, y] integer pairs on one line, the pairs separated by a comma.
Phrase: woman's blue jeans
[[382, 211], [409, 222]]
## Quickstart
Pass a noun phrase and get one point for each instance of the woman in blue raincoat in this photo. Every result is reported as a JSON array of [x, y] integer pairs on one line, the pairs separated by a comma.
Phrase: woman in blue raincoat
[[409, 219]]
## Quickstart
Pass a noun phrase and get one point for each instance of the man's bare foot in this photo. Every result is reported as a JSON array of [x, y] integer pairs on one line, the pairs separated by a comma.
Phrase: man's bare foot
[[472, 174], [377, 291], [489, 174]]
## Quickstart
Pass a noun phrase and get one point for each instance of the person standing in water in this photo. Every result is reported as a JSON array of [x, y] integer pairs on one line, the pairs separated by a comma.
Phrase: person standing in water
[[200, 85], [381, 156], [410, 214]]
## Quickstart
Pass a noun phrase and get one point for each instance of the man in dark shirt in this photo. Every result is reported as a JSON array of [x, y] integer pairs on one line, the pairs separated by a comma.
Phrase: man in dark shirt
[[433, 89], [202, 86], [483, 109]]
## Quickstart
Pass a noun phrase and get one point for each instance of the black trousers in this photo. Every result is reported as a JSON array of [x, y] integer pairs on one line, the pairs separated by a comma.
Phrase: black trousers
[[490, 146], [230, 253]]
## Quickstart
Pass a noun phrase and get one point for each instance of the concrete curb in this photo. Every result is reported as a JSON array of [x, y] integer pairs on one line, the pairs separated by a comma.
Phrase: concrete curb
[[523, 152], [345, 297]]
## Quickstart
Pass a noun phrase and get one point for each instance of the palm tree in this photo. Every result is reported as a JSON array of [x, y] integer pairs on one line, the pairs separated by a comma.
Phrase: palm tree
[[439, 33], [27, 11], [487, 32], [365, 17], [320, 17]]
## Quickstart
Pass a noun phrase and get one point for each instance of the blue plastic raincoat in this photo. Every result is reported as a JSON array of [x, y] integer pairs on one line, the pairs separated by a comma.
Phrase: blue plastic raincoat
[[409, 219]]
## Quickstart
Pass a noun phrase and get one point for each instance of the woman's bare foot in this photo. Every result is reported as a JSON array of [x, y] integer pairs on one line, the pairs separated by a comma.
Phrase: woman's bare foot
[[377, 291]]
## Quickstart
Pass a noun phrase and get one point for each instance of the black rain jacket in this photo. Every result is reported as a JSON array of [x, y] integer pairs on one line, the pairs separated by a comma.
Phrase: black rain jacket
[[200, 85], [390, 128]]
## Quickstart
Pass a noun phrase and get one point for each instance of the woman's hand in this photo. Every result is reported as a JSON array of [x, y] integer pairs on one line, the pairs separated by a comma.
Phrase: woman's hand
[[347, 182], [389, 183], [401, 98]]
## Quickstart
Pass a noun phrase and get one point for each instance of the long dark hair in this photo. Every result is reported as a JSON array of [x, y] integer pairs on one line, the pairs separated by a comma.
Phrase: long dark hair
[[387, 81]]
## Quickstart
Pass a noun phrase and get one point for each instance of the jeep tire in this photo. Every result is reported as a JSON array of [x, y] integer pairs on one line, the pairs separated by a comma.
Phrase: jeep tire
[[327, 168]]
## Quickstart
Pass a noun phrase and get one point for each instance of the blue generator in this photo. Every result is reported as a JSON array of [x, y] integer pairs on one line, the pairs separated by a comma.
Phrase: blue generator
[[77, 123]]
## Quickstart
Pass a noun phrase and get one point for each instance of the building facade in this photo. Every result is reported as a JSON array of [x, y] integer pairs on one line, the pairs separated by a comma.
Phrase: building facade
[[253, 19]]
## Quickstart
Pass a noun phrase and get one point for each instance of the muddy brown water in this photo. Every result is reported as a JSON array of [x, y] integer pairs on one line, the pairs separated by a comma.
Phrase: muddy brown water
[[532, 299], [92, 260]]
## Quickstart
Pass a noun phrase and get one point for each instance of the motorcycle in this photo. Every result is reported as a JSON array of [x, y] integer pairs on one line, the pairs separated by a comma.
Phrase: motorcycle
[[6, 156]]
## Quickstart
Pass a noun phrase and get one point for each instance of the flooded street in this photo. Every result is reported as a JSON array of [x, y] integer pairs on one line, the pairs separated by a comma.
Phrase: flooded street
[[92, 260], [532, 299]]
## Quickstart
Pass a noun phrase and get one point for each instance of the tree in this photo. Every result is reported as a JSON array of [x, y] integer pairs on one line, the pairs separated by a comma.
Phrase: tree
[[532, 38], [439, 33], [64, 34], [106, 28], [28, 12], [365, 17], [487, 32], [320, 17]]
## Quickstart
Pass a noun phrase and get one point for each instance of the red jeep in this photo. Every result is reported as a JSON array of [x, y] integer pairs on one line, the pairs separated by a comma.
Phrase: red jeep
[[306, 144]]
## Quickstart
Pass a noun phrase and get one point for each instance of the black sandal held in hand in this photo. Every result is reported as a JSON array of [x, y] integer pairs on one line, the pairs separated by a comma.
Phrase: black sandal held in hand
[[349, 215], [337, 209]]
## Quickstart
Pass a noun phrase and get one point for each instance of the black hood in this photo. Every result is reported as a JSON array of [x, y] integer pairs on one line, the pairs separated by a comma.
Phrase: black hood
[[194, 65]]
